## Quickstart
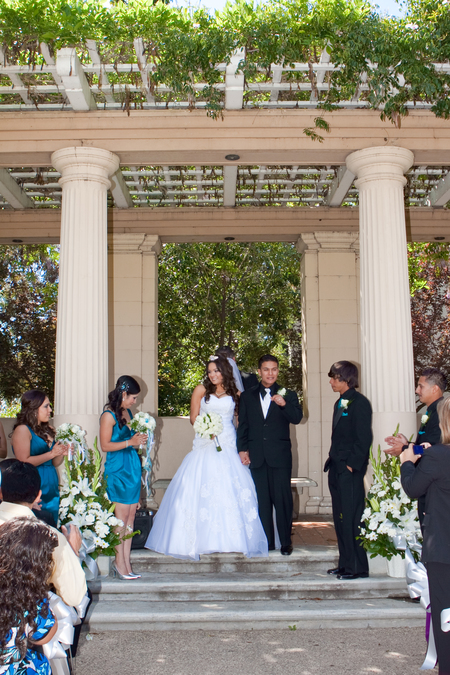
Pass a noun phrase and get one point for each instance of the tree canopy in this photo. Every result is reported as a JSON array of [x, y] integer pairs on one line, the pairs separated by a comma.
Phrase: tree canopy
[[243, 295], [28, 295], [389, 59]]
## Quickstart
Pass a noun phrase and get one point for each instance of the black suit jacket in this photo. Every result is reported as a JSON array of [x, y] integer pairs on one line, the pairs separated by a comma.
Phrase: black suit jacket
[[352, 436], [431, 432], [267, 439], [432, 478]]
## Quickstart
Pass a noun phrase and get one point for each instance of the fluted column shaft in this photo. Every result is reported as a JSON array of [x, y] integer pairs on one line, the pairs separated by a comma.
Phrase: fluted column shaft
[[81, 377], [387, 365]]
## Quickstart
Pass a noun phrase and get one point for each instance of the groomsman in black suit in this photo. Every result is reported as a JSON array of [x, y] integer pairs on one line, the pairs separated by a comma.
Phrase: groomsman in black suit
[[351, 439], [265, 413], [430, 390]]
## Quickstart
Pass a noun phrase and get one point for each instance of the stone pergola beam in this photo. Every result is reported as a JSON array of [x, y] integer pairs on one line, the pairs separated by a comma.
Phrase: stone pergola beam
[[440, 195], [120, 192], [340, 187], [196, 224], [70, 70], [259, 137], [13, 193]]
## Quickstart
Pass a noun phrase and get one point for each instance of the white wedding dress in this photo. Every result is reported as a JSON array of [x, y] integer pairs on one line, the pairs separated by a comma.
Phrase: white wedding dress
[[210, 505]]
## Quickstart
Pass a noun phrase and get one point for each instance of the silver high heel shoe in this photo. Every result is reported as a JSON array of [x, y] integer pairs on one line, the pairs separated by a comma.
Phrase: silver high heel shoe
[[134, 575], [115, 572]]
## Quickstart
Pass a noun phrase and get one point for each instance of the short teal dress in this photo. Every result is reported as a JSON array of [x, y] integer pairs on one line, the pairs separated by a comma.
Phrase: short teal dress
[[122, 467], [48, 474]]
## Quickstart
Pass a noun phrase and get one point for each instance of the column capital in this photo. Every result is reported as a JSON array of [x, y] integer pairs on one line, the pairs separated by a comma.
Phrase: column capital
[[380, 163], [125, 242], [328, 241], [83, 163], [151, 244]]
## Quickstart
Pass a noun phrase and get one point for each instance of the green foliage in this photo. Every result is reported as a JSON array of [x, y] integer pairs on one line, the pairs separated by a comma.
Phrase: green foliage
[[28, 294], [429, 272], [393, 57], [244, 295]]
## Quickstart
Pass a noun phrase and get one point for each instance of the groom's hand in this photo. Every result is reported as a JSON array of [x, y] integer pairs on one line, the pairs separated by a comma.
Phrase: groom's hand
[[279, 400], [245, 457]]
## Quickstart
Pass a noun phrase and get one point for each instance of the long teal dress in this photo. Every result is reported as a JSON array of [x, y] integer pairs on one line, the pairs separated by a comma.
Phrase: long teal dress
[[123, 467], [48, 474]]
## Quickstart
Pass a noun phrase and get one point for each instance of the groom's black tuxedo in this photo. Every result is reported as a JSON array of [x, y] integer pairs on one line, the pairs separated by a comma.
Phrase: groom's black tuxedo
[[269, 445], [351, 439]]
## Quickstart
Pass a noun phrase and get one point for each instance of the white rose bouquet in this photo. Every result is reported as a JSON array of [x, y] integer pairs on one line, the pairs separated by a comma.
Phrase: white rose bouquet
[[73, 436], [143, 423], [209, 426], [390, 519], [84, 503]]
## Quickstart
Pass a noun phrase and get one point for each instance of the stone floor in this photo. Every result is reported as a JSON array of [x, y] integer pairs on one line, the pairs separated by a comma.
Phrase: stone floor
[[313, 531], [342, 651]]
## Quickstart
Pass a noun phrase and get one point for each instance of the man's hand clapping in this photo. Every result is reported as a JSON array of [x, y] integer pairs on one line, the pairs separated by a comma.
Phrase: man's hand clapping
[[396, 444]]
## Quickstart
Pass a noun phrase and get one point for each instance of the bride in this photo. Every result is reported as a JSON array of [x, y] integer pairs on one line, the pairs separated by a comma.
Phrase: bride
[[210, 505]]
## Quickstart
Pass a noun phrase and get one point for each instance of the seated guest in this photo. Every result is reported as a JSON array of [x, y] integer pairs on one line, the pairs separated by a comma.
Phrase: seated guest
[[33, 441], [40, 513], [431, 477], [26, 621], [21, 488]]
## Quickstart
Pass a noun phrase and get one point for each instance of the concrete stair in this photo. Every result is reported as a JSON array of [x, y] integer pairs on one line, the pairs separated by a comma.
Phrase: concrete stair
[[228, 592]]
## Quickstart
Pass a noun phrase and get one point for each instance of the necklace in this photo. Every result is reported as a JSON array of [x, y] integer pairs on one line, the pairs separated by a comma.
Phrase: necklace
[[224, 393]]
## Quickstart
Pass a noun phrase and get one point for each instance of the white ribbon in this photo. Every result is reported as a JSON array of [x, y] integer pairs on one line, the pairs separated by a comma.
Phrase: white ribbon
[[147, 462], [55, 650], [91, 567]]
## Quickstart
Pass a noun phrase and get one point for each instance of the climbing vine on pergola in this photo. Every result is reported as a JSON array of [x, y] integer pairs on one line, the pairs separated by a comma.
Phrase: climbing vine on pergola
[[324, 54]]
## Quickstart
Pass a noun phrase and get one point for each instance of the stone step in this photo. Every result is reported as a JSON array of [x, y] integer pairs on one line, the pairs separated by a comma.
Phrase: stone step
[[303, 559], [138, 615], [231, 587]]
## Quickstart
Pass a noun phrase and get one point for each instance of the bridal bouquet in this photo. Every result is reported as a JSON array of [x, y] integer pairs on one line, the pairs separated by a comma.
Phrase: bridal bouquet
[[84, 503], [73, 436], [390, 519], [209, 426]]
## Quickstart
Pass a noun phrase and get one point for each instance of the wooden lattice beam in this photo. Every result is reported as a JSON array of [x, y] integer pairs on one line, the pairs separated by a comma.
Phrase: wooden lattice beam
[[440, 195], [70, 70], [13, 193], [120, 191], [234, 82], [340, 187]]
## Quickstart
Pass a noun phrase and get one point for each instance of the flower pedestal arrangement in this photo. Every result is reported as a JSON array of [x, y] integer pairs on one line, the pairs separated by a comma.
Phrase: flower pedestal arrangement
[[390, 521]]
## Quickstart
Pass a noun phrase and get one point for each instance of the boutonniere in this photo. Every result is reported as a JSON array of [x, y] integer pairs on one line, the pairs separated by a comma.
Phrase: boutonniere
[[282, 392], [424, 419], [345, 402]]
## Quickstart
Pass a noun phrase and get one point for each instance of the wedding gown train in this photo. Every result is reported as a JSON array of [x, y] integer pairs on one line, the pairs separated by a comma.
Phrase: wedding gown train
[[210, 505]]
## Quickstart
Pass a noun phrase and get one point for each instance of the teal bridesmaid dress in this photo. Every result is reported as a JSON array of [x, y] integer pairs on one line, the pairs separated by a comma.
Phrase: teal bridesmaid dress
[[123, 467], [48, 474]]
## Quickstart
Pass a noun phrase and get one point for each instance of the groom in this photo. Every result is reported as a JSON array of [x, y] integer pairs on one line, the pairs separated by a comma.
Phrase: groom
[[263, 442]]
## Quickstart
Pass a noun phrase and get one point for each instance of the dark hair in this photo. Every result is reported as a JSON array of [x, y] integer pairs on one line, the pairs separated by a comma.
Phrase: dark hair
[[21, 483], [225, 351], [345, 371], [228, 379], [434, 376], [7, 463], [124, 385], [267, 357], [26, 565], [30, 402]]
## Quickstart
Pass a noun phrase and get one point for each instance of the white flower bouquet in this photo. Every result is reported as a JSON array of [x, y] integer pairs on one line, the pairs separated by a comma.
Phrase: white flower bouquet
[[209, 426], [73, 436], [143, 423], [390, 518], [84, 503]]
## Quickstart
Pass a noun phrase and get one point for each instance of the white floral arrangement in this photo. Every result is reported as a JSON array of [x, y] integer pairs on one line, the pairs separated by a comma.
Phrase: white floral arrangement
[[390, 518], [84, 503], [209, 426], [282, 392], [72, 435]]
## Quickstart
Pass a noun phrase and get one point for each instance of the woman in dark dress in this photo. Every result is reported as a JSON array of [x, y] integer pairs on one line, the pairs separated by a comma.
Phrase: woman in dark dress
[[33, 441], [123, 464], [431, 477]]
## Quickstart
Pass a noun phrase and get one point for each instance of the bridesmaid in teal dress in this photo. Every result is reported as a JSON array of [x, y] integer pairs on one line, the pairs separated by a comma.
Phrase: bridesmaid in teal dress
[[123, 464], [33, 441]]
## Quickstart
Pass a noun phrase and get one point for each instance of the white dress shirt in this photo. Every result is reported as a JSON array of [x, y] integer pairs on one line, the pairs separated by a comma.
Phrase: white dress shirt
[[265, 402]]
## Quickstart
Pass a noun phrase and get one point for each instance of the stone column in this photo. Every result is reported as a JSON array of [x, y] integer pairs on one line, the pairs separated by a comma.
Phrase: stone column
[[133, 312], [386, 336], [82, 332], [330, 333]]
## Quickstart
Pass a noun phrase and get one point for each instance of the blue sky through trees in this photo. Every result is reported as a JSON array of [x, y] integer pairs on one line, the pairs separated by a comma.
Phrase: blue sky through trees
[[386, 6]]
